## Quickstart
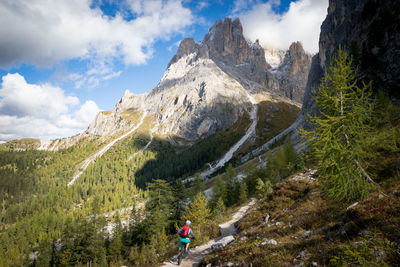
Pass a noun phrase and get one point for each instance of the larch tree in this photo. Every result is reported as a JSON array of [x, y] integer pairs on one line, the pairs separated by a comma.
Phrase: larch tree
[[337, 139], [198, 213]]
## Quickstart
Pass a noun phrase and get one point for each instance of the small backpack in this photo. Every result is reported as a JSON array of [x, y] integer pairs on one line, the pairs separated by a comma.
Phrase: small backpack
[[185, 231]]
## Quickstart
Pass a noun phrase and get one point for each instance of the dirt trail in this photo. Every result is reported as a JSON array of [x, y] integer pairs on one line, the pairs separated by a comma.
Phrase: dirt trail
[[228, 229], [84, 164]]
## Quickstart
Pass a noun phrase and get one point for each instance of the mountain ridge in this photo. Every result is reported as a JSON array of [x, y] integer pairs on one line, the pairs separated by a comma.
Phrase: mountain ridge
[[204, 87]]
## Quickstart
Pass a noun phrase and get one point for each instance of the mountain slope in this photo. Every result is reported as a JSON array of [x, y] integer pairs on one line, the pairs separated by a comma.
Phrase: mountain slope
[[206, 88]]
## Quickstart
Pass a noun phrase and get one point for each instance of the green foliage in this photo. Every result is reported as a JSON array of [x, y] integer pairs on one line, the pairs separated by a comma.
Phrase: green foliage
[[218, 208], [278, 166], [83, 242], [218, 192], [263, 188], [115, 246], [199, 213], [242, 193], [232, 186], [170, 165], [339, 134], [370, 250], [197, 185], [178, 204]]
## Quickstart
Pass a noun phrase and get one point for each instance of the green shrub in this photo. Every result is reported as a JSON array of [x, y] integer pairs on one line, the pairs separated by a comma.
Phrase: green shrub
[[370, 250]]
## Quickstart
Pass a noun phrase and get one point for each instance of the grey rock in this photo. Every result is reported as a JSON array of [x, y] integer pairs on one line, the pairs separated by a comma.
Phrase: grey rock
[[272, 242], [243, 238], [222, 242], [307, 234], [266, 218], [302, 254], [217, 246]]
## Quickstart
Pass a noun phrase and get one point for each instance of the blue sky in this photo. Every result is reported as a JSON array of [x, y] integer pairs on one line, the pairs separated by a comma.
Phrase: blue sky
[[84, 54]]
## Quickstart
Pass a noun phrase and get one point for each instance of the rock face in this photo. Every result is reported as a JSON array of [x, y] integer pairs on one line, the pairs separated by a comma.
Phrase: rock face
[[208, 85], [290, 77], [369, 29]]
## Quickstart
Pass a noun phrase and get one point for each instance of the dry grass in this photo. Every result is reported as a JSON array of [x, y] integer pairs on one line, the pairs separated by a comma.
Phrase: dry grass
[[106, 112], [273, 118], [300, 206]]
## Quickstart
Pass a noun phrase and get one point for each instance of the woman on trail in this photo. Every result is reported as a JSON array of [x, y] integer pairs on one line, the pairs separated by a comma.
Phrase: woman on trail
[[184, 233]]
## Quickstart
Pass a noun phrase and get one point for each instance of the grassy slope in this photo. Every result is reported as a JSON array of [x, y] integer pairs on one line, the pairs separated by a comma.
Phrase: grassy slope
[[299, 206], [273, 118], [22, 144]]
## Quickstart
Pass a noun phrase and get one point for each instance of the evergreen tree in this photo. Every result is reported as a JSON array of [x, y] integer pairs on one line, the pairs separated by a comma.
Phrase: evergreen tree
[[232, 186], [218, 208], [242, 193], [116, 246], [338, 134], [218, 192], [160, 197], [263, 188], [197, 185], [198, 213], [290, 157], [178, 204]]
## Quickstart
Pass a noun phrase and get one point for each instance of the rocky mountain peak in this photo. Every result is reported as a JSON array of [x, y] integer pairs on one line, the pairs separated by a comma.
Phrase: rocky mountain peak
[[296, 60], [296, 49], [186, 47], [226, 43]]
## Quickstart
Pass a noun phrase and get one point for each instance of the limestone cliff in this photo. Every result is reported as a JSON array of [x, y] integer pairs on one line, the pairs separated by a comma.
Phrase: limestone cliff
[[370, 31]]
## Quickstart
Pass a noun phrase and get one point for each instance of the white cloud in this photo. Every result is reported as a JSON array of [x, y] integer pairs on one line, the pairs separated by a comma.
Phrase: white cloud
[[202, 5], [40, 110], [43, 32], [300, 23]]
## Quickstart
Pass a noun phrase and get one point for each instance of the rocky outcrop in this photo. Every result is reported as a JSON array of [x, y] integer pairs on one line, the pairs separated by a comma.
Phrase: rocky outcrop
[[369, 29]]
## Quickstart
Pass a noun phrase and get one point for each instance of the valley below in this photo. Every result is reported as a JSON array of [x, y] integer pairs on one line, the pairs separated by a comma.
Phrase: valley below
[[277, 157]]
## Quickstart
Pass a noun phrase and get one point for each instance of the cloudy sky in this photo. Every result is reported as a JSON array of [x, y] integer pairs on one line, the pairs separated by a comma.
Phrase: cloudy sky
[[61, 61]]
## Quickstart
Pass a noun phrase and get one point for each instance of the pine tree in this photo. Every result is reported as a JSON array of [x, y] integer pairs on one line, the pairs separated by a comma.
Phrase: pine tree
[[338, 134]]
